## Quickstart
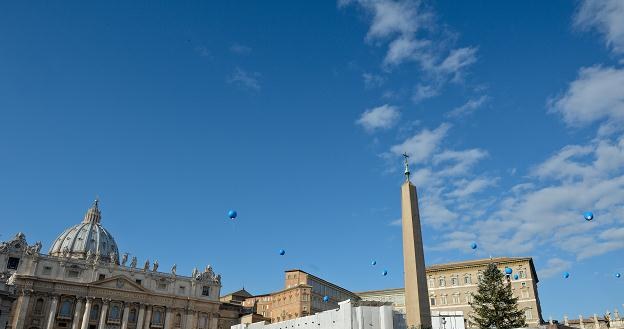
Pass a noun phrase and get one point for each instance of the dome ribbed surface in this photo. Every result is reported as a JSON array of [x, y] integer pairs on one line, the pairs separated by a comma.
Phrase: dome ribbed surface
[[89, 235]]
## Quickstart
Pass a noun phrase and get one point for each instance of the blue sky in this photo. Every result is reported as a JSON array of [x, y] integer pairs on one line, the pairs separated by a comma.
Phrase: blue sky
[[294, 113]]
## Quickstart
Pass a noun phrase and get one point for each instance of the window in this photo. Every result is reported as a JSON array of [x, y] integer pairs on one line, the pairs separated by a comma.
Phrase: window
[[132, 316], [522, 274], [114, 314], [182, 290], [66, 309], [442, 282], [467, 279], [47, 270], [157, 317], [101, 276], [525, 293], [13, 263], [162, 286], [528, 314], [466, 298], [39, 306], [95, 311], [456, 299], [431, 283], [432, 300], [443, 300], [73, 274], [205, 291], [454, 281], [480, 276], [138, 281]]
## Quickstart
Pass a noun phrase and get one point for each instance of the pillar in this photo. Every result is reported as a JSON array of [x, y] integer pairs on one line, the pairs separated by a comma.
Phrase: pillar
[[581, 323], [124, 319], [77, 313], [52, 313], [565, 320], [191, 320], [103, 314], [87, 313], [213, 321], [148, 317], [141, 316], [169, 318], [21, 309]]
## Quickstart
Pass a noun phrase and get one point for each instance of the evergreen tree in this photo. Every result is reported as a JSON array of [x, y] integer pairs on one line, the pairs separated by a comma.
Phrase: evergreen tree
[[494, 305]]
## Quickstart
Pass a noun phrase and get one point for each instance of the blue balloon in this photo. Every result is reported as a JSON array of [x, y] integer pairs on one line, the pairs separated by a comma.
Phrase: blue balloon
[[516, 276], [374, 262], [508, 270], [566, 275], [473, 245], [385, 272], [326, 299], [232, 214], [282, 252], [617, 275], [588, 215]]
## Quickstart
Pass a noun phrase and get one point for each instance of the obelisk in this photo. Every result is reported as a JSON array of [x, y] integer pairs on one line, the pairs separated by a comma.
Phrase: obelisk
[[416, 293]]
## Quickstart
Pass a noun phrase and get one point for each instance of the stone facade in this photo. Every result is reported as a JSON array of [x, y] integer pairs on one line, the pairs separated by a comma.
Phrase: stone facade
[[83, 285], [450, 287], [302, 295]]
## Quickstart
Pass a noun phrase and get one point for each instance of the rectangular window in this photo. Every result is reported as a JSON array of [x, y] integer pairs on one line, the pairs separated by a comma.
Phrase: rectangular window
[[525, 293], [47, 270], [205, 291], [528, 314], [182, 290], [102, 277], [454, 281], [442, 282], [13, 263], [455, 299], [522, 274], [138, 281], [162, 286], [432, 301], [467, 280], [443, 298], [73, 274]]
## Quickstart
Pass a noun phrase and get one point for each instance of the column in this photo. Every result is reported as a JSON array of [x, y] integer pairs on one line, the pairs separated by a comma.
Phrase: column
[[52, 313], [103, 314], [124, 319], [139, 323], [191, 320], [148, 317], [21, 309], [87, 313], [213, 321], [77, 313], [168, 318]]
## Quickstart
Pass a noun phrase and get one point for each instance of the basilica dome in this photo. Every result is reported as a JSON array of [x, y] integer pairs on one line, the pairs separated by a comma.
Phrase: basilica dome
[[88, 240]]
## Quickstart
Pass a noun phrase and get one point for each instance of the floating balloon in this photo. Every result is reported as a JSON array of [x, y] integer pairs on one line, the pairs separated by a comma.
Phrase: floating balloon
[[516, 277], [508, 270], [385, 272], [326, 299], [473, 245], [374, 263], [232, 214], [618, 275], [566, 275], [588, 215], [282, 252]]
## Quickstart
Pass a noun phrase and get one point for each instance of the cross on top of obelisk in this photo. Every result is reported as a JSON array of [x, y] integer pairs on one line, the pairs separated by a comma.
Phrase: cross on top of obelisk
[[407, 171]]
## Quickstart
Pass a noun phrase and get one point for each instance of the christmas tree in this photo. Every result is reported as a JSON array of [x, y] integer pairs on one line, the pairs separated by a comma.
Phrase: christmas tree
[[494, 305]]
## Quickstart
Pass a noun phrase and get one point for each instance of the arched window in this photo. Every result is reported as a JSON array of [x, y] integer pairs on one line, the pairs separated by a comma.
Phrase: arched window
[[157, 317], [178, 320], [39, 306], [132, 316], [95, 311], [66, 308]]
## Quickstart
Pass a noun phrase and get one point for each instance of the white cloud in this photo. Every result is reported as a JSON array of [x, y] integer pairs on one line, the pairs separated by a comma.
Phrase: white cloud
[[373, 80], [421, 146], [240, 49], [606, 16], [244, 79], [469, 107], [468, 187], [459, 162], [595, 95], [457, 60], [422, 92], [554, 266], [396, 222], [382, 117]]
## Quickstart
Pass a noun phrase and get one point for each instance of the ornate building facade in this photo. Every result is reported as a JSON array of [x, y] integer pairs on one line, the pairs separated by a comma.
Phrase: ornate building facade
[[81, 283]]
